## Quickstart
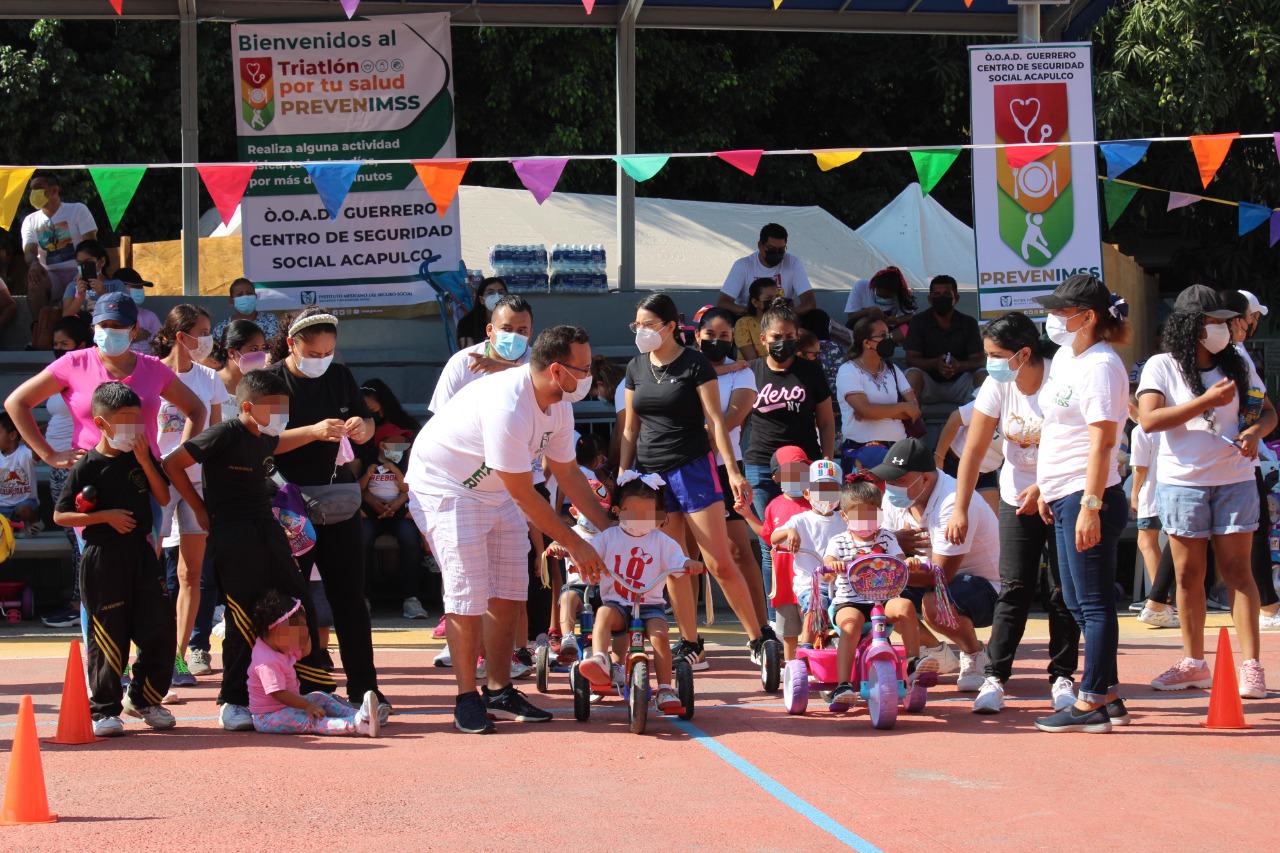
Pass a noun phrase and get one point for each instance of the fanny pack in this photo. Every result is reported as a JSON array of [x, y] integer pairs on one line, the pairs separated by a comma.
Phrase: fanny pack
[[330, 504]]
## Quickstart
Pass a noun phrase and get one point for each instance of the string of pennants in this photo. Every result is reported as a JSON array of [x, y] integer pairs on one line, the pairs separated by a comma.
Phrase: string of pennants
[[227, 182], [350, 6]]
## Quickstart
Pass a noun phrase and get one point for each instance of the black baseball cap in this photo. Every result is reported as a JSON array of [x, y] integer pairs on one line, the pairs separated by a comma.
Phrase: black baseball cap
[[1079, 291], [1202, 299], [906, 456], [130, 276]]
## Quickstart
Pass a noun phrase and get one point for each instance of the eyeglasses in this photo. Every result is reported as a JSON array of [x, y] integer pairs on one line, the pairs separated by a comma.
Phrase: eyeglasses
[[583, 370], [648, 324]]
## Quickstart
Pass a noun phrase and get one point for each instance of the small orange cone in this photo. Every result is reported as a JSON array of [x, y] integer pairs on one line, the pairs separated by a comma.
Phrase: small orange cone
[[1226, 711], [24, 796], [75, 723]]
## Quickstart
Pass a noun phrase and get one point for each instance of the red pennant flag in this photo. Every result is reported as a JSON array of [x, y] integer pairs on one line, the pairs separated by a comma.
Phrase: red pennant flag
[[441, 179], [226, 186], [1020, 155], [747, 160], [118, 5], [1210, 151]]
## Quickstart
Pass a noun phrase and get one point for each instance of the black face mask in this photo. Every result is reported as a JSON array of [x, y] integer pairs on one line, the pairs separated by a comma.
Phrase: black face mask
[[942, 305], [783, 350], [773, 257], [716, 350], [886, 347]]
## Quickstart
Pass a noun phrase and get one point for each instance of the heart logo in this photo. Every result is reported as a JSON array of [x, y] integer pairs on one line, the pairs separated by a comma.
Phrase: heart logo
[[1025, 111], [256, 75]]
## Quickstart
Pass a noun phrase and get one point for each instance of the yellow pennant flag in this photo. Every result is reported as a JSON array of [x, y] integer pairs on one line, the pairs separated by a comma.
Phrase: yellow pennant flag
[[828, 160], [776, 4], [13, 185]]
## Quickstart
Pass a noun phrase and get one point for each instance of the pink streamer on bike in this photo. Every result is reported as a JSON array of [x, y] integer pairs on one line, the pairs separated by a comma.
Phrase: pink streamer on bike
[[946, 604]]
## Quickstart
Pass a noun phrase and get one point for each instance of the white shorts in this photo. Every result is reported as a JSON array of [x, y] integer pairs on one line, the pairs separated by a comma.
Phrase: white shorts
[[186, 516], [482, 550]]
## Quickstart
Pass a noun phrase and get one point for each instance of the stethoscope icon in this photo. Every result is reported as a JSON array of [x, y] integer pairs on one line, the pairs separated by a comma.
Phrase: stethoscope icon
[[1045, 130]]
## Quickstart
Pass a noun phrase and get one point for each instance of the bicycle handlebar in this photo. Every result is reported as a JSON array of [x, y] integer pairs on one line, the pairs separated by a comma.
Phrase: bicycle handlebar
[[638, 591]]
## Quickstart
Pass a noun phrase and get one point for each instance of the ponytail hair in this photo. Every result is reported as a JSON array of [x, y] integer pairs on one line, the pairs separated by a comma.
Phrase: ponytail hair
[[180, 319]]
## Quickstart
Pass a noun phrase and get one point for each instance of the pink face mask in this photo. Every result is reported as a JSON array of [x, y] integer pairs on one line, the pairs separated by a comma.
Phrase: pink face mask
[[345, 453], [863, 529]]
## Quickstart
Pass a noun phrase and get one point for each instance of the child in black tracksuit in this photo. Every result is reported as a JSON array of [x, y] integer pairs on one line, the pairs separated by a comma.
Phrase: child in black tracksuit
[[109, 494], [248, 547]]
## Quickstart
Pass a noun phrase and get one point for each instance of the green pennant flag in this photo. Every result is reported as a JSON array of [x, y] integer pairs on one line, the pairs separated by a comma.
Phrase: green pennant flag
[[1117, 198], [642, 167], [932, 165], [116, 186]]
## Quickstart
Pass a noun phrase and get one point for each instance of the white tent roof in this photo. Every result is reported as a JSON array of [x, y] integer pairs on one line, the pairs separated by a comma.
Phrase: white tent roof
[[923, 238]]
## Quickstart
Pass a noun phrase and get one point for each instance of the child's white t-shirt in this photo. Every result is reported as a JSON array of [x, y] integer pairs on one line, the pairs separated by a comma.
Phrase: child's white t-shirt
[[382, 483], [845, 549], [1144, 452], [639, 559], [993, 458], [729, 382], [17, 476], [816, 531], [170, 421]]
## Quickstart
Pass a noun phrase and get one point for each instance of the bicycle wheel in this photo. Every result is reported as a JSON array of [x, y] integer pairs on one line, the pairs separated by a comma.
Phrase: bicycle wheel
[[684, 688], [543, 666], [638, 698], [882, 693], [581, 695], [771, 666], [795, 687]]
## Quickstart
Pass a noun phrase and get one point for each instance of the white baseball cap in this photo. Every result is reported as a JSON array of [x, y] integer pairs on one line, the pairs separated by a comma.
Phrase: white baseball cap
[[1254, 304]]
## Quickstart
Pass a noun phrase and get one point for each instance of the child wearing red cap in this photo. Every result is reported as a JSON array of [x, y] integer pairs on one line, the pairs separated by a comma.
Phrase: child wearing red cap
[[790, 467]]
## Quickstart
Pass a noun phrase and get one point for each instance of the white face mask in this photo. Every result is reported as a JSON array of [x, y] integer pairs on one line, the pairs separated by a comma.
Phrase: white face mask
[[1056, 328], [491, 301], [393, 456], [581, 388], [275, 424], [823, 507], [638, 526], [124, 435], [313, 367], [1216, 337], [648, 340], [202, 349]]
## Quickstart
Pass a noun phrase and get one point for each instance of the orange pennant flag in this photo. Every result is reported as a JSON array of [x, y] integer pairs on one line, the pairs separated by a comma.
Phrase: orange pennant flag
[[1210, 151], [441, 179]]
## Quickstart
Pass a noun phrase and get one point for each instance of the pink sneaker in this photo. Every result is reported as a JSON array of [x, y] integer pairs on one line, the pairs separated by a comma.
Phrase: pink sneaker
[[1253, 682], [438, 633], [595, 669], [1183, 674]]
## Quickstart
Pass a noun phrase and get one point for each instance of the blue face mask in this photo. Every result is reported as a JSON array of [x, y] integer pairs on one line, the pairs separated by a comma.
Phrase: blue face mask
[[898, 495], [245, 304], [999, 369], [509, 345], [112, 342], [137, 294]]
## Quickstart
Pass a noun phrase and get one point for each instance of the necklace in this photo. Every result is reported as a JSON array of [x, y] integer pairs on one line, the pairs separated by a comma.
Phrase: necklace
[[879, 377], [659, 376]]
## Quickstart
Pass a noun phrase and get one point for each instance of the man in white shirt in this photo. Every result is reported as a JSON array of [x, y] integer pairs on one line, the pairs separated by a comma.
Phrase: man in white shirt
[[918, 495], [470, 490], [50, 235], [507, 345], [770, 261]]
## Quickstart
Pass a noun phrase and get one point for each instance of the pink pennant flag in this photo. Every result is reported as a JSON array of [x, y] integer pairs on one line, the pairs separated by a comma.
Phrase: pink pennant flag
[[1020, 155], [226, 186], [588, 5], [747, 160], [1275, 227], [540, 176], [349, 6], [1277, 137], [1177, 200]]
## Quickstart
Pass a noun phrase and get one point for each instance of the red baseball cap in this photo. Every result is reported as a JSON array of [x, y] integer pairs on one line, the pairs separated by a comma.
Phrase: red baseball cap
[[785, 454], [387, 431]]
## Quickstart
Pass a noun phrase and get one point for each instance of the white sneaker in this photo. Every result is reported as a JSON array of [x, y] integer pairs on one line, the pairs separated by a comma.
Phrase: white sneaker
[[236, 718], [1269, 621], [413, 609], [1166, 618], [368, 721], [482, 669], [542, 640], [519, 669], [1064, 693], [947, 660], [153, 715], [972, 668], [108, 727], [220, 630], [569, 646], [171, 698], [990, 698], [443, 658]]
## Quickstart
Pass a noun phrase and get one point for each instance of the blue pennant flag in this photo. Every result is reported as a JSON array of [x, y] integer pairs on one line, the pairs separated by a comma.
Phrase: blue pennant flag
[[332, 181], [1252, 216], [1122, 156]]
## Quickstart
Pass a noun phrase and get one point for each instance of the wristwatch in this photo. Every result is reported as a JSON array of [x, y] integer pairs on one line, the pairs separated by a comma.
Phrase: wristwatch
[[1093, 503]]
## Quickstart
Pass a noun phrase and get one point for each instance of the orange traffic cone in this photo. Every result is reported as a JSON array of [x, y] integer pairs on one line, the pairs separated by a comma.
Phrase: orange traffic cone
[[75, 723], [24, 796], [1226, 711]]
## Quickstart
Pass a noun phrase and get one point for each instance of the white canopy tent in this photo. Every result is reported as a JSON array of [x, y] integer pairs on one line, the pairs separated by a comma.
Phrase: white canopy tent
[[924, 239]]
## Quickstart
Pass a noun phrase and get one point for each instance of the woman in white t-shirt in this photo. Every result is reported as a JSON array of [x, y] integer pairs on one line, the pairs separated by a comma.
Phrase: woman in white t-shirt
[[1008, 406], [1084, 403], [875, 398], [185, 339], [1191, 395]]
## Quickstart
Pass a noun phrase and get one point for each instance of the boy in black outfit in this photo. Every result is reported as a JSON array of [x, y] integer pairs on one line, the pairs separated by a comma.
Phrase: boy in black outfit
[[248, 547], [109, 493]]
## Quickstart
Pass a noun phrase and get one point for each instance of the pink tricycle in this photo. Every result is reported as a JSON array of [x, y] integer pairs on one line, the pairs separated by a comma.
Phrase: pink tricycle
[[879, 667]]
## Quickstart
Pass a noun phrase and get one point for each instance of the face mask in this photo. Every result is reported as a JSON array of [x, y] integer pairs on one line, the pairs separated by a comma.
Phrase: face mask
[[393, 456], [899, 495], [585, 524], [823, 507], [1216, 337], [581, 388], [313, 367], [137, 294], [793, 490], [638, 526], [886, 304], [863, 529], [204, 346], [886, 347], [648, 340], [112, 342], [491, 301], [715, 350], [252, 361], [245, 304], [999, 369], [942, 305], [275, 424], [773, 257], [510, 346], [124, 436], [783, 350], [38, 198], [1056, 328]]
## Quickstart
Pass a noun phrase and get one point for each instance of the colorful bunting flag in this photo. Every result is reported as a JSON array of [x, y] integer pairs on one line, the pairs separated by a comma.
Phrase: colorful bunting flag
[[642, 167], [116, 186], [777, 4], [1251, 216], [932, 165], [540, 176], [1117, 198], [828, 160], [226, 186], [748, 160], [1210, 151], [332, 181], [588, 5], [1177, 200], [118, 5], [1277, 144], [349, 6], [441, 178], [1275, 227], [1020, 155], [1122, 156], [13, 186]]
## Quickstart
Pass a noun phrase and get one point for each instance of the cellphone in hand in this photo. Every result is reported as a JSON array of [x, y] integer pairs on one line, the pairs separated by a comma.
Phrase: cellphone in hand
[[88, 270]]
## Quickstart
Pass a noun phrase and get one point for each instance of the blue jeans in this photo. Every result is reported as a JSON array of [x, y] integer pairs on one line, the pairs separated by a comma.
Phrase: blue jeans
[[763, 490], [408, 547], [203, 627], [1089, 587]]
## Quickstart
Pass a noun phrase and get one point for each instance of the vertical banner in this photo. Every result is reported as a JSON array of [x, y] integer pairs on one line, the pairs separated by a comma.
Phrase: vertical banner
[[1035, 208], [346, 91]]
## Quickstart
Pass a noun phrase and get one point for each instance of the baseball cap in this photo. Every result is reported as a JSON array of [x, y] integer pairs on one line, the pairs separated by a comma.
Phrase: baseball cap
[[1254, 304], [1078, 291], [824, 471], [387, 431], [601, 491], [785, 454], [118, 307], [910, 454], [130, 276], [1201, 299]]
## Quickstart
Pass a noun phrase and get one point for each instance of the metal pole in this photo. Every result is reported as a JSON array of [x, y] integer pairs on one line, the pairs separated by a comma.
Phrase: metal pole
[[626, 126], [190, 149], [1028, 23]]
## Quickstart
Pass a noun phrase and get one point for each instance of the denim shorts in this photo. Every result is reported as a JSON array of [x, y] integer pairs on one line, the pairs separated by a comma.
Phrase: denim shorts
[[647, 612], [1196, 512], [1150, 522], [11, 511], [975, 598], [693, 486]]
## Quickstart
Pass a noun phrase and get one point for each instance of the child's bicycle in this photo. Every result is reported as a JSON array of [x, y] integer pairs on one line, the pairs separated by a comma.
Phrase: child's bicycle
[[634, 689], [879, 667]]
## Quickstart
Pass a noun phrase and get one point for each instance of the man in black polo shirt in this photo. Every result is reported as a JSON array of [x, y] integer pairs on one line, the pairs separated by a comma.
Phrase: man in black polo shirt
[[945, 359]]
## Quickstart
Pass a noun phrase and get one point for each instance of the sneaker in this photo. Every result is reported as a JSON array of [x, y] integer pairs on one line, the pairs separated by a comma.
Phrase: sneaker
[[33, 529], [619, 675], [201, 664], [917, 667], [1137, 606], [413, 609], [699, 663], [182, 676], [1063, 692], [524, 656], [153, 715], [235, 718], [220, 629], [67, 617], [510, 704], [171, 698], [690, 652], [1093, 722], [108, 727], [1117, 713], [520, 669], [1183, 674], [1266, 621], [219, 612], [124, 678], [756, 649], [667, 701], [568, 652], [947, 660], [384, 712], [844, 697], [470, 716], [439, 631], [1253, 682], [554, 641], [367, 718], [972, 668], [1166, 618], [1218, 601], [543, 639], [482, 669], [595, 669], [443, 658], [990, 697]]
